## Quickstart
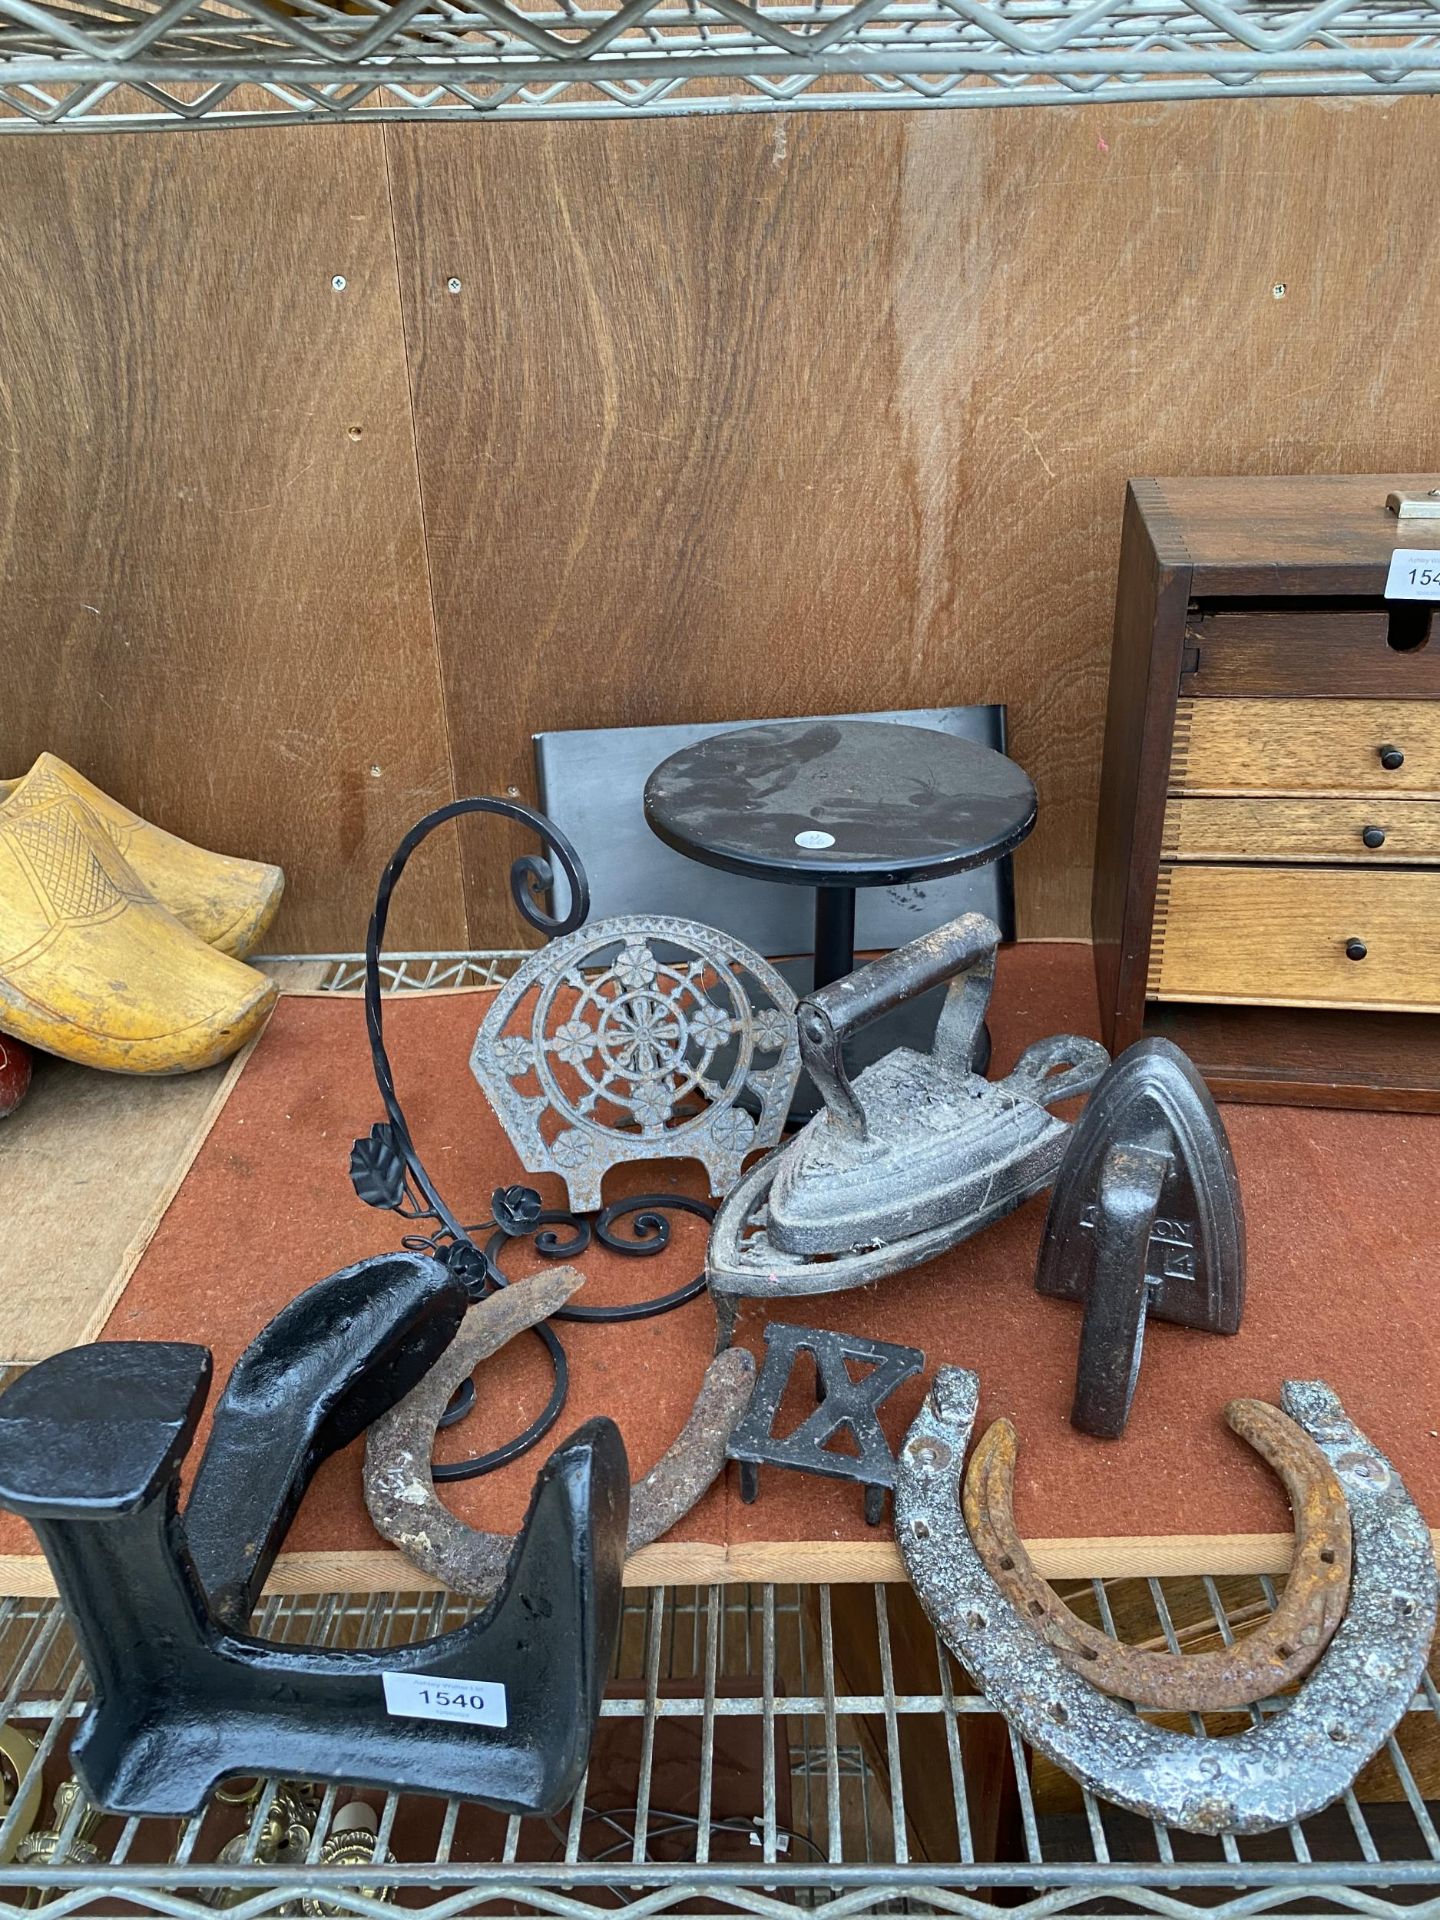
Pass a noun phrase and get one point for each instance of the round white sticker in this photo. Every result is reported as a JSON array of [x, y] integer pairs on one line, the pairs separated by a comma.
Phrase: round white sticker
[[812, 837]]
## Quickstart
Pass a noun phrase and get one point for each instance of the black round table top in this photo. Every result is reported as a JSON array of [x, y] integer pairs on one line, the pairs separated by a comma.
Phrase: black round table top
[[840, 803]]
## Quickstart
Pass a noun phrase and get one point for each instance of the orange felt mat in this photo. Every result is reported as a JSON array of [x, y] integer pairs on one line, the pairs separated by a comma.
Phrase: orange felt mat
[[1343, 1213]]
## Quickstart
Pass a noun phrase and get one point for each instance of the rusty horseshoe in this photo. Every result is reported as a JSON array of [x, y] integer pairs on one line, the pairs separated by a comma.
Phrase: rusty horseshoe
[[400, 1490], [1284, 1767], [1282, 1650]]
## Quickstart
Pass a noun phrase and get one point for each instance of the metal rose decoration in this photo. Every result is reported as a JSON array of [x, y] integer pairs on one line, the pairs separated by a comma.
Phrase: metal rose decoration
[[639, 1039], [515, 1210]]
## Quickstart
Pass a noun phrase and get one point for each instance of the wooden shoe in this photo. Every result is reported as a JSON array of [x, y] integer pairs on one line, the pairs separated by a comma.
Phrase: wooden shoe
[[92, 967], [229, 903]]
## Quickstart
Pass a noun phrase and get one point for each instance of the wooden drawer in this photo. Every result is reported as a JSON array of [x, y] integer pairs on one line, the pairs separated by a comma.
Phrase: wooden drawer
[[1308, 647], [1305, 746], [1276, 936], [1235, 827]]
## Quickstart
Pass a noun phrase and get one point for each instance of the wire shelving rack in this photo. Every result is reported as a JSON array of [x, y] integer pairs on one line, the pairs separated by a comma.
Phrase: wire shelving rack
[[77, 64], [745, 1780]]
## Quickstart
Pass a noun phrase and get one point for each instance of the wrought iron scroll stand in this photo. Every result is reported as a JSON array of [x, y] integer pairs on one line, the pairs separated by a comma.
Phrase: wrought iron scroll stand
[[387, 1171]]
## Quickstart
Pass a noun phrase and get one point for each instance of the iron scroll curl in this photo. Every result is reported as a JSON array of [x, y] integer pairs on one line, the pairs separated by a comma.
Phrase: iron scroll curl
[[649, 1234], [386, 1169], [530, 876]]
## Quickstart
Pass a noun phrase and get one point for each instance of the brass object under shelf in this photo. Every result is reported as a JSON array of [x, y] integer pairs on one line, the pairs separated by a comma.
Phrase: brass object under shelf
[[353, 1841], [17, 1755], [50, 1846], [285, 1834]]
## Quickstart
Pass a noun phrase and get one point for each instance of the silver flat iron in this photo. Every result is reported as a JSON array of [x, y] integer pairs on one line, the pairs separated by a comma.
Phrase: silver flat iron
[[915, 1154]]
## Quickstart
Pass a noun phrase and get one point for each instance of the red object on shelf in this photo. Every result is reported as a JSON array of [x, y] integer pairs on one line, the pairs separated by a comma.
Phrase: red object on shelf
[[14, 1074]]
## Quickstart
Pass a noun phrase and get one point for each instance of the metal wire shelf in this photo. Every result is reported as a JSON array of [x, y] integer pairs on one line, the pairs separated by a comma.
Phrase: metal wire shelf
[[415, 972], [743, 1777], [73, 64]]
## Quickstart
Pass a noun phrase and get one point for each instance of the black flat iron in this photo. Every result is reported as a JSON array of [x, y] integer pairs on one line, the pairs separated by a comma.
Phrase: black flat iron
[[915, 1154]]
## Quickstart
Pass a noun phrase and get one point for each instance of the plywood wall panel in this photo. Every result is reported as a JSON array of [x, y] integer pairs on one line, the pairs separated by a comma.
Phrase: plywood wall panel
[[213, 594], [656, 427], [728, 417], [642, 426], [758, 416]]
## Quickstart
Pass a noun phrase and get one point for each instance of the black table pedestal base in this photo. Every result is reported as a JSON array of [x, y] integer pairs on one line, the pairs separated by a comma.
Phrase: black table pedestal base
[[834, 934]]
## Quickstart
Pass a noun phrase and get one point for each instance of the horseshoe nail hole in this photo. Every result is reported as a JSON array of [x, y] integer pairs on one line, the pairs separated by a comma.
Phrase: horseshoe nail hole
[[1058, 1714], [1285, 1653], [1338, 1734], [976, 1622], [1327, 1554], [1007, 1564], [1037, 1608], [1091, 1653], [1404, 1605], [921, 1529]]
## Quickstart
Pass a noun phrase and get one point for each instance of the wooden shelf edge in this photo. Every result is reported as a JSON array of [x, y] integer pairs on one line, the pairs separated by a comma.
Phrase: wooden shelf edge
[[783, 1562], [1355, 1058]]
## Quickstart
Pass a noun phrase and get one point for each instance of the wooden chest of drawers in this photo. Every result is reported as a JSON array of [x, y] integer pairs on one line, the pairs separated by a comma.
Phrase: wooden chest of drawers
[[1267, 880]]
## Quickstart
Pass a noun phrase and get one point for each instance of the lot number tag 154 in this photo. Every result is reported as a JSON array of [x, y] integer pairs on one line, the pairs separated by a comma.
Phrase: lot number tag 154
[[1414, 574]]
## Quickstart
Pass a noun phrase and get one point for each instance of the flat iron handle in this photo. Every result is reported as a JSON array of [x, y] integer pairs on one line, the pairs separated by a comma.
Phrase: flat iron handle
[[1059, 1068], [853, 1002], [829, 1016]]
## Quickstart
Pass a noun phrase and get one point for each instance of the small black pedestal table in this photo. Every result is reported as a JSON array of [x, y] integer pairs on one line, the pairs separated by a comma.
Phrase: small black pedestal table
[[836, 805]]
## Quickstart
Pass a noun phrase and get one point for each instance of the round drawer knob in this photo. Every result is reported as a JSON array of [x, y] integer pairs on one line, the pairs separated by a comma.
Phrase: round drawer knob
[[1374, 836], [1355, 949], [1392, 759]]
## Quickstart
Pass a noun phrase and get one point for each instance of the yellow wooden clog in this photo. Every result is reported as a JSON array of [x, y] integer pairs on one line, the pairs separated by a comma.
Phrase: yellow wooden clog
[[92, 967], [229, 903]]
